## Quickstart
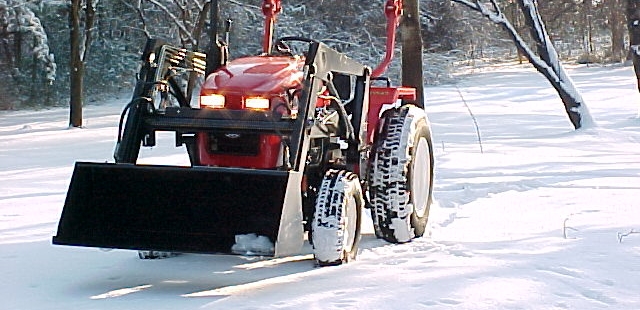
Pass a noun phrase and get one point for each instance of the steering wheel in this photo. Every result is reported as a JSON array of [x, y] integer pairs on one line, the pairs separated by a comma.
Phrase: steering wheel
[[283, 47]]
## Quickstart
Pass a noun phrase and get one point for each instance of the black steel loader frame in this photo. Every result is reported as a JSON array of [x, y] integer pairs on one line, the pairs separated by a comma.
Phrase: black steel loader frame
[[322, 64]]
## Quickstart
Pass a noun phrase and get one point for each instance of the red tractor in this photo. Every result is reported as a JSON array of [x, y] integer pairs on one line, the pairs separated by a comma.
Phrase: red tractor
[[280, 144]]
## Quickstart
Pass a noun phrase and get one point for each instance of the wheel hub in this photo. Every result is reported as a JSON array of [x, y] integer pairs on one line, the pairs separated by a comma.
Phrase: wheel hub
[[421, 177]]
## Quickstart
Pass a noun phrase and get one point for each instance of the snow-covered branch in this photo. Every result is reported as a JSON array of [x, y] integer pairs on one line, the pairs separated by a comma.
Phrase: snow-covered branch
[[546, 61], [90, 13], [141, 15], [17, 18], [473, 117], [184, 32], [565, 228], [623, 235]]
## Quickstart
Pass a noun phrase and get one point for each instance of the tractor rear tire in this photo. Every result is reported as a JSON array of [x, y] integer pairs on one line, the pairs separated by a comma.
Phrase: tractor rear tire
[[335, 228], [401, 175]]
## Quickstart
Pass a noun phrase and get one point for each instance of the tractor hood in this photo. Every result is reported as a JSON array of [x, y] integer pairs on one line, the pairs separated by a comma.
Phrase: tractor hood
[[256, 75]]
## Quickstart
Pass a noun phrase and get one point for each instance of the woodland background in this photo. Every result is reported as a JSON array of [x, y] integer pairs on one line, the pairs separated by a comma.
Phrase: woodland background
[[35, 47]]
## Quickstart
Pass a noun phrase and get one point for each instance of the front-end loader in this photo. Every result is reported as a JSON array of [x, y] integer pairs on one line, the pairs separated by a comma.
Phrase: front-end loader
[[280, 144]]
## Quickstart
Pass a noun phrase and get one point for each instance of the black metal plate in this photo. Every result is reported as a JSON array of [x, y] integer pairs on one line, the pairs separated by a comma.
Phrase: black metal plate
[[166, 208]]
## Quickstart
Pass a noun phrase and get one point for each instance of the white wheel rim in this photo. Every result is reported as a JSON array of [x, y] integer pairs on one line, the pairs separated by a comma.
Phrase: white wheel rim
[[421, 177], [350, 222]]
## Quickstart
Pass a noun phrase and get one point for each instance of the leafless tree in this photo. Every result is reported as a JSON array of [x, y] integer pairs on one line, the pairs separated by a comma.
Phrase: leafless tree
[[546, 60], [412, 74], [82, 15]]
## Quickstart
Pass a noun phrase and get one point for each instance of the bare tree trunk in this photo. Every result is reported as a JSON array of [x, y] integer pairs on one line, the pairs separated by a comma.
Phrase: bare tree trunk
[[197, 33], [80, 40], [618, 51], [412, 63], [76, 72], [588, 31], [633, 16], [521, 56], [616, 21]]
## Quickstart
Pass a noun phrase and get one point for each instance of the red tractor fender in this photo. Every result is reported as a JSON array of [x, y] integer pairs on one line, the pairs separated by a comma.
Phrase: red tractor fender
[[380, 96]]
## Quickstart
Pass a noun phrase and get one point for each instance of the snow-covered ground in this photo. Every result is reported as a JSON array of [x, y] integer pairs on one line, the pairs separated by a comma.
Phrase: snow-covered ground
[[536, 216]]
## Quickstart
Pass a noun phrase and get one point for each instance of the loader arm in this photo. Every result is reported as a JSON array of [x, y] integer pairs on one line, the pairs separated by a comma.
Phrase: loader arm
[[393, 12], [270, 9], [322, 63]]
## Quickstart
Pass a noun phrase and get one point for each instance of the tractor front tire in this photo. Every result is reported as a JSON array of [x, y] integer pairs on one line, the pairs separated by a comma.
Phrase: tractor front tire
[[335, 227], [401, 175]]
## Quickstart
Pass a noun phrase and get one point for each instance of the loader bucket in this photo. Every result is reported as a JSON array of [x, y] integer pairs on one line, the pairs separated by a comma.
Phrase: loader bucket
[[180, 209]]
